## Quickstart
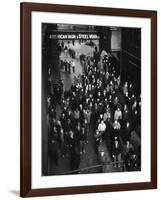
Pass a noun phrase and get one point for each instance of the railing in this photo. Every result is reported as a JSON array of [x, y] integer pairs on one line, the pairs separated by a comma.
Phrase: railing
[[94, 166]]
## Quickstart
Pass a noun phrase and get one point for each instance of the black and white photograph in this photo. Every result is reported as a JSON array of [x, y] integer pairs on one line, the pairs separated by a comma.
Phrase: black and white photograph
[[91, 99], [88, 99]]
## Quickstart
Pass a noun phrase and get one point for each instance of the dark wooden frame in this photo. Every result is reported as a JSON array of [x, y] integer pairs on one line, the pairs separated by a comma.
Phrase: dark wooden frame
[[25, 146]]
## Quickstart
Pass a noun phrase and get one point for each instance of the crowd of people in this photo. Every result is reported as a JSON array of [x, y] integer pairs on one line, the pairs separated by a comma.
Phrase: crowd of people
[[97, 101]]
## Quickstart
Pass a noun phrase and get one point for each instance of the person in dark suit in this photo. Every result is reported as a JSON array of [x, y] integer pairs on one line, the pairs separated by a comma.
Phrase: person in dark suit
[[66, 66], [53, 145], [105, 63], [116, 154], [75, 159], [69, 67], [82, 140]]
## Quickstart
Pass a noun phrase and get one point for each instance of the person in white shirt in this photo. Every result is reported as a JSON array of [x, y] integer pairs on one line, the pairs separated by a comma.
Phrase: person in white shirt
[[102, 126], [73, 65], [116, 125], [118, 114], [125, 88]]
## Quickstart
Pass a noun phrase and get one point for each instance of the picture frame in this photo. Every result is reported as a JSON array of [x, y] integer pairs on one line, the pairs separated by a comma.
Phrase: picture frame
[[26, 107]]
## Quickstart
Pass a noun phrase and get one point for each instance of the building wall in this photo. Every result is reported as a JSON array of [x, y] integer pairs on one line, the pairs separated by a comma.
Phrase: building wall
[[116, 43], [50, 57], [115, 40], [131, 57]]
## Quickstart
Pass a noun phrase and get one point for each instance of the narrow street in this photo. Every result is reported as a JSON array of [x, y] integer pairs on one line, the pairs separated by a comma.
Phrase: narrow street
[[90, 158]]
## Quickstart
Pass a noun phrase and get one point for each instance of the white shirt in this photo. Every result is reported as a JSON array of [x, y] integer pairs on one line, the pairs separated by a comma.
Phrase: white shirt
[[73, 64], [102, 127], [116, 125], [118, 115]]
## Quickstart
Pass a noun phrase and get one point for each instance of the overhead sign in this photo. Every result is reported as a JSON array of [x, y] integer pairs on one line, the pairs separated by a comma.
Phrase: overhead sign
[[71, 36]]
